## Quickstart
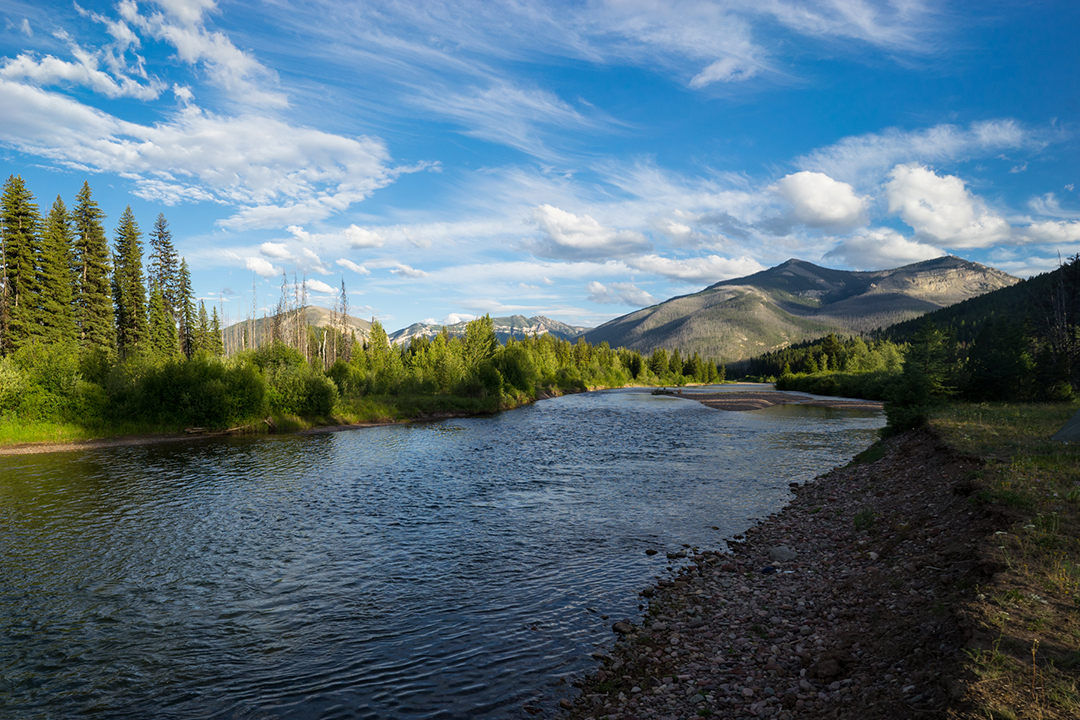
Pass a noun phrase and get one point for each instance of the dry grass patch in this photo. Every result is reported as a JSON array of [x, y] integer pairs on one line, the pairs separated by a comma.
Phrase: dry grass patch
[[1024, 657]]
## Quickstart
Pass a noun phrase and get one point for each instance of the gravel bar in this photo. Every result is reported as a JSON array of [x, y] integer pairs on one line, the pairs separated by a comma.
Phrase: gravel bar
[[842, 605]]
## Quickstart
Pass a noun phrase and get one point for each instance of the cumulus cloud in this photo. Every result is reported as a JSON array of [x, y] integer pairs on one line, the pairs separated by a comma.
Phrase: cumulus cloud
[[455, 318], [319, 287], [942, 210], [819, 201], [580, 237], [1052, 231], [881, 248], [707, 269], [350, 265], [619, 294], [261, 267], [359, 237]]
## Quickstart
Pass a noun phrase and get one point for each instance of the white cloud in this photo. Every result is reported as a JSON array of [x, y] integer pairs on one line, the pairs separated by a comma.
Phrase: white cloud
[[85, 71], [942, 210], [410, 272], [819, 201], [359, 237], [275, 250], [1050, 206], [455, 318], [728, 69], [319, 287], [1052, 231], [238, 74], [278, 173], [509, 115], [880, 249], [864, 159], [262, 268], [580, 237], [188, 12], [619, 294], [24, 26], [678, 232], [709, 269], [350, 265]]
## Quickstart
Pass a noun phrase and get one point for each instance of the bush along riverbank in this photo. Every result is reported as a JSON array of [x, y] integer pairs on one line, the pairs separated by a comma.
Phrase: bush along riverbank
[[921, 580]]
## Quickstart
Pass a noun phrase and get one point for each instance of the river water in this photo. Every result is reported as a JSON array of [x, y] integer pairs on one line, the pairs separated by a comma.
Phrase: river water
[[457, 569]]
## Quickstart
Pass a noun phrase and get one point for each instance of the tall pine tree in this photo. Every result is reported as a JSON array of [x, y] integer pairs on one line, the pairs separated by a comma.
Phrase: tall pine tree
[[186, 311], [214, 342], [162, 329], [57, 278], [93, 298], [20, 239], [164, 268], [129, 288]]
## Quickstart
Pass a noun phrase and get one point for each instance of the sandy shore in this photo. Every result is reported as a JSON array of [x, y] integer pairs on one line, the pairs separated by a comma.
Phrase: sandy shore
[[847, 603]]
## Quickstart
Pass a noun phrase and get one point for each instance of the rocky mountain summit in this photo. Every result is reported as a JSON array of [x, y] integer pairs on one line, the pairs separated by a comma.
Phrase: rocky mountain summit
[[517, 326]]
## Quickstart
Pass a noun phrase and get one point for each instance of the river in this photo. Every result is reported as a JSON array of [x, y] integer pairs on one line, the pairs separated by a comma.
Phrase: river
[[456, 569]]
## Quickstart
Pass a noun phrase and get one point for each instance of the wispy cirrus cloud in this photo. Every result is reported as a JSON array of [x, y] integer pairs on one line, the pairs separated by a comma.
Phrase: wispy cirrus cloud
[[238, 74]]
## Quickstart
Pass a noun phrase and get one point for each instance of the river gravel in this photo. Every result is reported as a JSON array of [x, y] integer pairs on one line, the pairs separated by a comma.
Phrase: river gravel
[[840, 605]]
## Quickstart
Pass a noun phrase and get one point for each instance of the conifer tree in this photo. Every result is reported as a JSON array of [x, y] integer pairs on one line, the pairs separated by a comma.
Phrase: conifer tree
[[202, 329], [214, 343], [20, 239], [93, 298], [186, 311], [163, 267], [56, 277], [163, 338], [129, 288]]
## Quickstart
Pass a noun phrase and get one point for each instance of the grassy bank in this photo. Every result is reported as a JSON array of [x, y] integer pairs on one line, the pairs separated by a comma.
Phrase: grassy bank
[[1024, 657], [15, 430]]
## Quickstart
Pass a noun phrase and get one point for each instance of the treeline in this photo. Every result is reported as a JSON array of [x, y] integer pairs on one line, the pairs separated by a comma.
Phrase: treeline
[[62, 285], [92, 337], [828, 354]]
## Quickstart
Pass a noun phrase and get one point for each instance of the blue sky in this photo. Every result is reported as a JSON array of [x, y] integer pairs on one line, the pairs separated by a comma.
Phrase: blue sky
[[577, 160]]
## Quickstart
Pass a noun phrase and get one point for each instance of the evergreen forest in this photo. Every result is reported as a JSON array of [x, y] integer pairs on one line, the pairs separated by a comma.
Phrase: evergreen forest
[[104, 339]]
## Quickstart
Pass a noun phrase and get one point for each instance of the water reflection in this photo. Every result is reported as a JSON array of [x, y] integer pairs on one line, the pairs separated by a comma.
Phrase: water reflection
[[452, 570]]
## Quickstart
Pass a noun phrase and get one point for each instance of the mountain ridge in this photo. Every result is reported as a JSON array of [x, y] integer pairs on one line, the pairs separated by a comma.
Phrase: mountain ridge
[[797, 300]]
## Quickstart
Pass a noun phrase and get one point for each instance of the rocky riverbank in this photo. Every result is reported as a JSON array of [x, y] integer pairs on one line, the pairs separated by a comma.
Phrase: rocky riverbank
[[847, 603]]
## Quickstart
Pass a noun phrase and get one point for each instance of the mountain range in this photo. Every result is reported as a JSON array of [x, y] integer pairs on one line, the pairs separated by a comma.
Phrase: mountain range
[[794, 301], [736, 319], [517, 325]]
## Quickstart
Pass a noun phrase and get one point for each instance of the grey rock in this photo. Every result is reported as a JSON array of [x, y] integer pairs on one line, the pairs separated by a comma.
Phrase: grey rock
[[782, 554]]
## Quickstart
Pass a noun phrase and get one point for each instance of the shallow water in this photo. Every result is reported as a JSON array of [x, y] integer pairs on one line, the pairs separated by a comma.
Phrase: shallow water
[[456, 569]]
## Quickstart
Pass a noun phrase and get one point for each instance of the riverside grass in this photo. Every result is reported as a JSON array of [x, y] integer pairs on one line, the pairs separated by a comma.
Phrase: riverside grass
[[1027, 663]]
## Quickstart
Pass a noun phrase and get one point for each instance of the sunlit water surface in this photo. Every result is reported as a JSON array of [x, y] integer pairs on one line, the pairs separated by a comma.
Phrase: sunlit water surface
[[449, 570]]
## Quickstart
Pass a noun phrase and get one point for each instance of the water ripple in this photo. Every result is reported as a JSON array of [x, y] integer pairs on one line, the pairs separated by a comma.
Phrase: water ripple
[[446, 570]]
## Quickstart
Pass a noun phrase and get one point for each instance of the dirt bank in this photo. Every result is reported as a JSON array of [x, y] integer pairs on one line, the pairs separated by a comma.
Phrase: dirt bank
[[843, 604]]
